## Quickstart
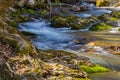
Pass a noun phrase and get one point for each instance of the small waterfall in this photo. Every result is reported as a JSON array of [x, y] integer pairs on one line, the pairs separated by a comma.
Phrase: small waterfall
[[46, 37], [92, 11]]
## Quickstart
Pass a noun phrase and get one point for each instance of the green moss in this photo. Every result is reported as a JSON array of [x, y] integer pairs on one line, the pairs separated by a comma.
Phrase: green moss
[[31, 11], [55, 17], [100, 27], [22, 11], [113, 19], [95, 69], [25, 11], [23, 19], [102, 17], [115, 14], [43, 13], [118, 29], [12, 23]]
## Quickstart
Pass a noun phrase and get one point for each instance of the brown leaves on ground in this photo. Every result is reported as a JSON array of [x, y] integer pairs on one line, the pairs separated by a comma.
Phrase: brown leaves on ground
[[5, 52]]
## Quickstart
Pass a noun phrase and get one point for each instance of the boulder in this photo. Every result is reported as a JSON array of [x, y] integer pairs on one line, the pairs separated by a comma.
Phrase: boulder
[[31, 3], [71, 21], [21, 3]]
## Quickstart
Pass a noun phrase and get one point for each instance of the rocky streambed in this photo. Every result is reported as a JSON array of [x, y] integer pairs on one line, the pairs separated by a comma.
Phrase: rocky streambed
[[67, 33]]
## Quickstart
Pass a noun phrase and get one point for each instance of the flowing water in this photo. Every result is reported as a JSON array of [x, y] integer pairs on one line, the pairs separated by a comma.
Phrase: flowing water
[[92, 11], [47, 37], [51, 38]]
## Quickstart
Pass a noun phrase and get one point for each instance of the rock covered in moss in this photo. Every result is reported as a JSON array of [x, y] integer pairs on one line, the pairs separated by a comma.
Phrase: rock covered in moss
[[115, 14], [100, 27], [12, 23], [104, 17], [71, 21]]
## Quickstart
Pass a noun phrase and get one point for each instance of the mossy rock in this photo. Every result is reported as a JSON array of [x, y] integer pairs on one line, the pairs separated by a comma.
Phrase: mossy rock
[[44, 14], [113, 18], [95, 69], [22, 11], [118, 29], [12, 23], [23, 19], [42, 6], [55, 17], [69, 21], [115, 14], [103, 17], [59, 22], [25, 11], [31, 11], [100, 27]]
